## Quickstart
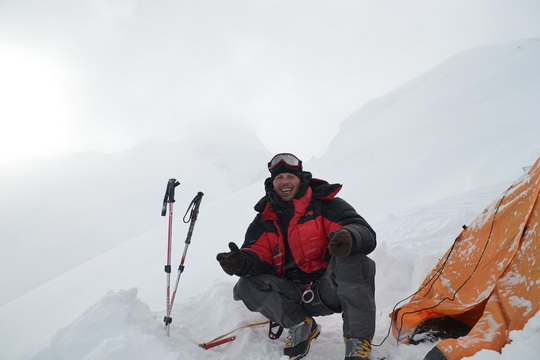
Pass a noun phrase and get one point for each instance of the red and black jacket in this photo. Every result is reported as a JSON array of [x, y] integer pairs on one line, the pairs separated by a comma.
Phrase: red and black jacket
[[291, 240]]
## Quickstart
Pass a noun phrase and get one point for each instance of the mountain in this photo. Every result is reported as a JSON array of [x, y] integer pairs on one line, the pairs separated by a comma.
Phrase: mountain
[[58, 213], [418, 163], [469, 123]]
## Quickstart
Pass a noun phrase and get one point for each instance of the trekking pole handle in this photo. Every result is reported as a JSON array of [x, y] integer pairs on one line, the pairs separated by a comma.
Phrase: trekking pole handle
[[169, 195], [193, 216]]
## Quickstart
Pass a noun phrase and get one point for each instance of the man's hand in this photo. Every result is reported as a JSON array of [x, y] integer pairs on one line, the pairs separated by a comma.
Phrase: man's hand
[[340, 243], [233, 261]]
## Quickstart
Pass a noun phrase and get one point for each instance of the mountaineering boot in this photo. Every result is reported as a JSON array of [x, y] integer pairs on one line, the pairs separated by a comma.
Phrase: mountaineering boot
[[357, 349], [299, 338]]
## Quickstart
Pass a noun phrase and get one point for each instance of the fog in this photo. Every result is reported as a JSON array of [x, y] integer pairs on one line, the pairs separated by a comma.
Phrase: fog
[[106, 75]]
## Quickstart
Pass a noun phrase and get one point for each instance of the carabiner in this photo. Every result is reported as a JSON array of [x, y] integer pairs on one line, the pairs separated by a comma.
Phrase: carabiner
[[308, 295]]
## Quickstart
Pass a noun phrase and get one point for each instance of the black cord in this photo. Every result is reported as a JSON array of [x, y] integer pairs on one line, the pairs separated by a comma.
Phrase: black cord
[[438, 274], [434, 277]]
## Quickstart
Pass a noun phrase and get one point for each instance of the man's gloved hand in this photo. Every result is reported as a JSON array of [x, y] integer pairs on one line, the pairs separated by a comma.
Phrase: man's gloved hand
[[340, 243], [233, 261]]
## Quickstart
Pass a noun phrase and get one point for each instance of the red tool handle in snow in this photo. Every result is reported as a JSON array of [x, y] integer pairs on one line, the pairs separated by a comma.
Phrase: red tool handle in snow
[[223, 339]]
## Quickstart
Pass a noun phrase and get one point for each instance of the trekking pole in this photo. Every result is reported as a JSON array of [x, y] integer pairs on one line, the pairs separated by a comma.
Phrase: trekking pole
[[169, 199], [194, 207]]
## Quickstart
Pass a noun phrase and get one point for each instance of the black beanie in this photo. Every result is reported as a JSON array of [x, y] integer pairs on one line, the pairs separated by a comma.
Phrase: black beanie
[[283, 168]]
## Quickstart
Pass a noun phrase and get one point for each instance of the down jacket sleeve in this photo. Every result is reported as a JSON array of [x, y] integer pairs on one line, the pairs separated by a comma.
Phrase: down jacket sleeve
[[254, 265], [341, 214]]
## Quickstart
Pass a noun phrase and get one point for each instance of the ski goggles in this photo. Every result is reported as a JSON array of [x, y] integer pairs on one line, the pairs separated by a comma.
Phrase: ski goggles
[[287, 159]]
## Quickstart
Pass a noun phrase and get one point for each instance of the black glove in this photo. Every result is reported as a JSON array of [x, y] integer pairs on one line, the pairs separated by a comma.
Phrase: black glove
[[340, 243], [233, 261]]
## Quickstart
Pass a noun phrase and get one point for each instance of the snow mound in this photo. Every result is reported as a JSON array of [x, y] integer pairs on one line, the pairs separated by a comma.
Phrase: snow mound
[[119, 326]]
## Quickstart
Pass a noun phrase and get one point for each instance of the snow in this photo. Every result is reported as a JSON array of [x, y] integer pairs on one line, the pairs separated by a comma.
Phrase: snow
[[83, 246]]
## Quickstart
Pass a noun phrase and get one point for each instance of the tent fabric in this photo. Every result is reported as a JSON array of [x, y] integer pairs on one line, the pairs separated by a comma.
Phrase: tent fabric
[[489, 279]]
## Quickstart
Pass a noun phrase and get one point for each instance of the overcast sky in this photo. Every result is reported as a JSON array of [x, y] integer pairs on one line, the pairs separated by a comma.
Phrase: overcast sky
[[105, 74]]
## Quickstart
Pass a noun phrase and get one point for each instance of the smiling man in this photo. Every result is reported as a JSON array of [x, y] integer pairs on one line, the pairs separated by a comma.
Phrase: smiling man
[[286, 186], [304, 255]]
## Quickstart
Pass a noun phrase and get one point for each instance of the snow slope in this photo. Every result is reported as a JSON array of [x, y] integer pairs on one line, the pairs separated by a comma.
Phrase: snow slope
[[469, 123], [417, 163]]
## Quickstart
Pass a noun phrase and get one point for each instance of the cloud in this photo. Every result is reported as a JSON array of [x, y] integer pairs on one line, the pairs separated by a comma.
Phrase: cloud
[[290, 70]]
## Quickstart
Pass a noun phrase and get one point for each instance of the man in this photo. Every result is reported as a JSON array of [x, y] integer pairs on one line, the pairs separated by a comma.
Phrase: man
[[304, 255]]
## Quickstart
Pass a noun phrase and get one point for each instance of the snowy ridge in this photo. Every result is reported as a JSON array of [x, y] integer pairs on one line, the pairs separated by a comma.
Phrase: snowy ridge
[[467, 124]]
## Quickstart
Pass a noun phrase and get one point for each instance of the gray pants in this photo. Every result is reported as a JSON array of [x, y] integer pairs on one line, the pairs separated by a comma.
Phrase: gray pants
[[347, 287]]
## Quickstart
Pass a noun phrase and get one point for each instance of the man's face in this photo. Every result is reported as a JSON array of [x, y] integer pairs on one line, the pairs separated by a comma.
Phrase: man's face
[[286, 186]]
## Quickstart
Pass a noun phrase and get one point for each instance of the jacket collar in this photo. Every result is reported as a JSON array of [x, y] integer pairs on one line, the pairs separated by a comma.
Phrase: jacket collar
[[310, 188]]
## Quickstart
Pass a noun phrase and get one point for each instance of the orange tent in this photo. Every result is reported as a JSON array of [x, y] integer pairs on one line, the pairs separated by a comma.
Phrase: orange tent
[[486, 285]]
